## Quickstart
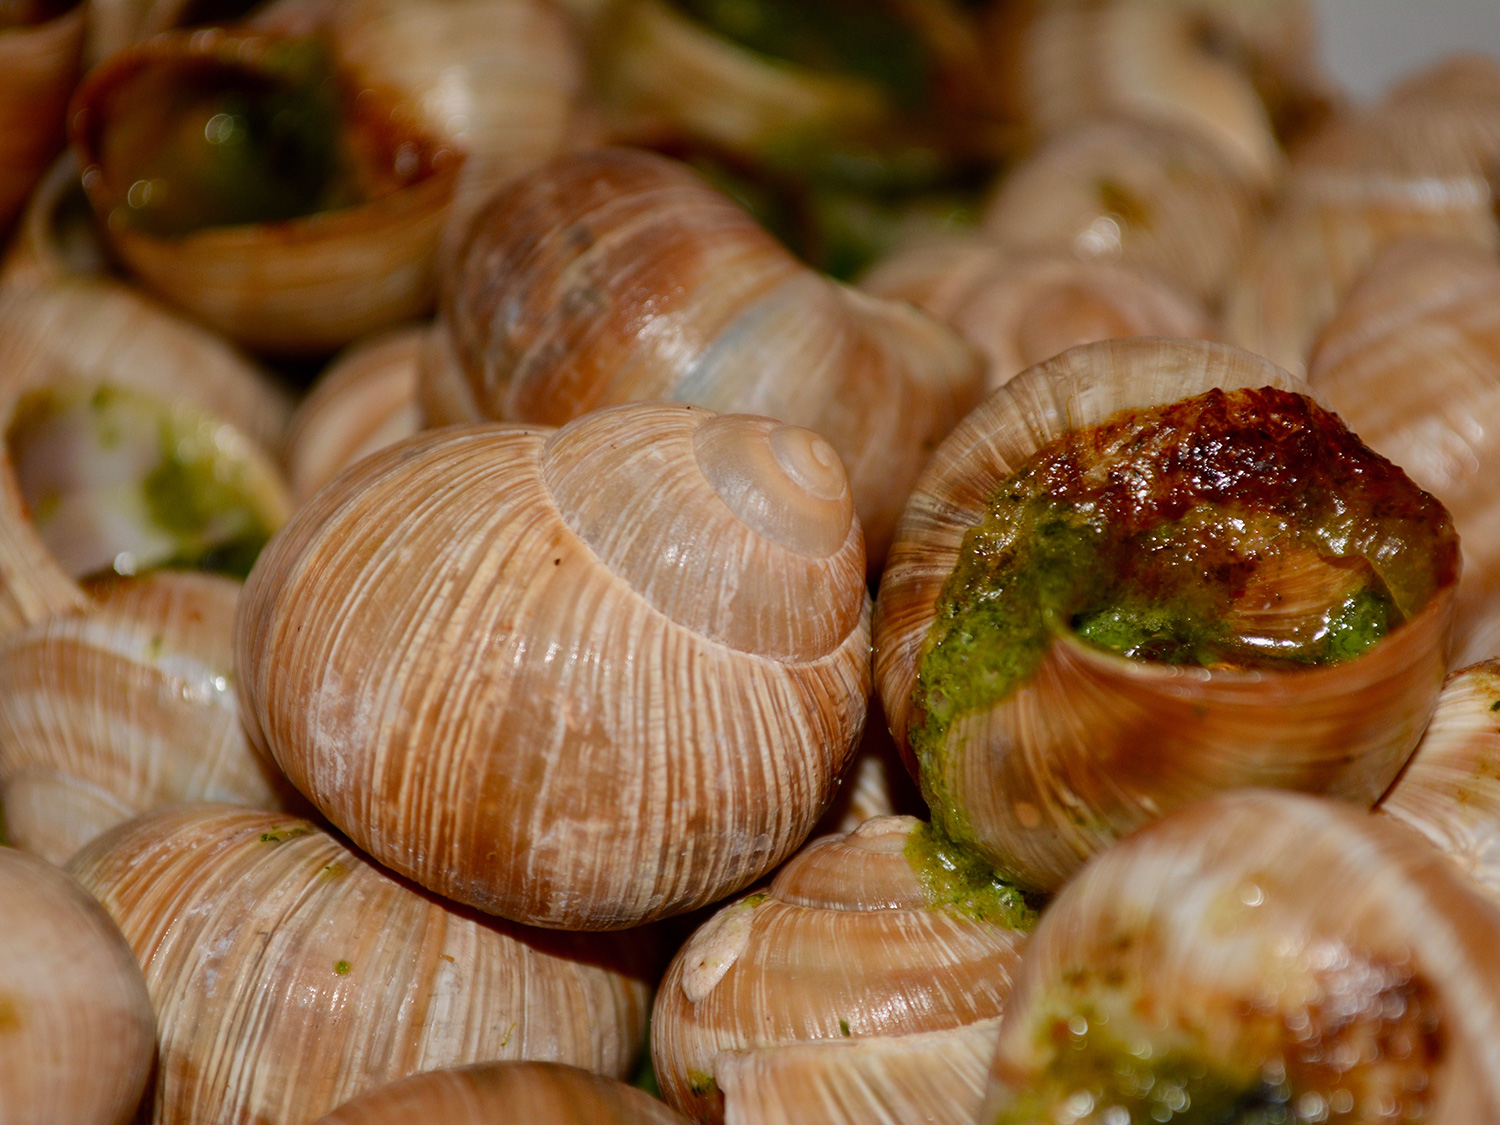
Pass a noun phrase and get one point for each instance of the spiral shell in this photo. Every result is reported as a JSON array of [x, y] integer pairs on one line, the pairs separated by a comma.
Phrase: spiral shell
[[633, 652], [613, 276], [1412, 363], [1149, 196], [549, 1093], [289, 974], [1259, 954], [366, 400], [1039, 747], [121, 709], [77, 1023], [1022, 309], [1450, 790], [39, 64], [864, 985]]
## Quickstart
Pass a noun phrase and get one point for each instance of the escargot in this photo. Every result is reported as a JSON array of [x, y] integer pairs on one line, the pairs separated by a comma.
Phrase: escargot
[[1259, 956], [289, 973], [41, 43], [1144, 571], [124, 707], [76, 1028], [580, 678], [612, 276], [864, 984]]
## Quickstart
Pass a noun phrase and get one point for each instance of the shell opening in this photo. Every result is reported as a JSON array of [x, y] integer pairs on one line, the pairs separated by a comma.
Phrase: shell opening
[[117, 481]]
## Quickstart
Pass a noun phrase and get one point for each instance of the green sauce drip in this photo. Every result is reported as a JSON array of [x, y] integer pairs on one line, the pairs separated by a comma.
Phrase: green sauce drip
[[211, 146], [852, 37], [957, 880]]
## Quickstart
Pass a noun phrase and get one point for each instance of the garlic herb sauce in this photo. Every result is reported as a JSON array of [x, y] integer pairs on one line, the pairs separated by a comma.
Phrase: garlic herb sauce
[[1246, 529]]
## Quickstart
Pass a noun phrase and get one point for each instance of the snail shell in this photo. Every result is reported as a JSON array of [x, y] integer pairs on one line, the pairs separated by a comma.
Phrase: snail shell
[[305, 282], [1021, 309], [872, 973], [1063, 63], [1412, 363], [612, 276], [633, 652], [366, 400], [1450, 790], [290, 974], [123, 708], [1147, 195], [1079, 744], [1255, 952], [541, 1092], [78, 1030], [85, 333]]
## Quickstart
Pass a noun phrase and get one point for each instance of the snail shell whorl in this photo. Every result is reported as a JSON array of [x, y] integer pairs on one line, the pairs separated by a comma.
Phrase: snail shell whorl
[[1253, 939], [79, 1034], [123, 708], [289, 973], [528, 1092], [565, 704], [819, 986], [1092, 745], [614, 276]]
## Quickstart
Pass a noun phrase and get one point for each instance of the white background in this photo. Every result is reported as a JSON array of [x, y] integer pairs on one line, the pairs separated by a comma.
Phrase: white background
[[1368, 44]]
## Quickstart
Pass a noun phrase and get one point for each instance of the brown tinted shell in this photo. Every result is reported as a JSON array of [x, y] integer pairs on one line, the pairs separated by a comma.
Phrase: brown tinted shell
[[122, 708], [832, 993], [545, 1093], [39, 65], [289, 973], [1412, 363], [307, 284], [1258, 949], [613, 276], [1090, 744], [579, 678], [78, 1030]]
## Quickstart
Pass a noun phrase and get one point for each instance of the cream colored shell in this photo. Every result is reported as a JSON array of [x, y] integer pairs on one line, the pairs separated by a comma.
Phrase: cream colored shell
[[845, 993], [76, 1029], [1251, 936], [580, 678], [290, 974], [122, 708]]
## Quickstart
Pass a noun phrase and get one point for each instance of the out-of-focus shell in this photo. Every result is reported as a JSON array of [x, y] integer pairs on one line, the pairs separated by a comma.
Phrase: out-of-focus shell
[[1062, 63], [94, 333], [124, 708], [39, 64], [1412, 363], [1450, 790], [579, 678], [799, 1003], [613, 276], [1417, 164], [1090, 744], [1020, 309], [1150, 196], [56, 237], [527, 1092], [78, 1030], [366, 400], [308, 284], [1257, 951], [290, 974]]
